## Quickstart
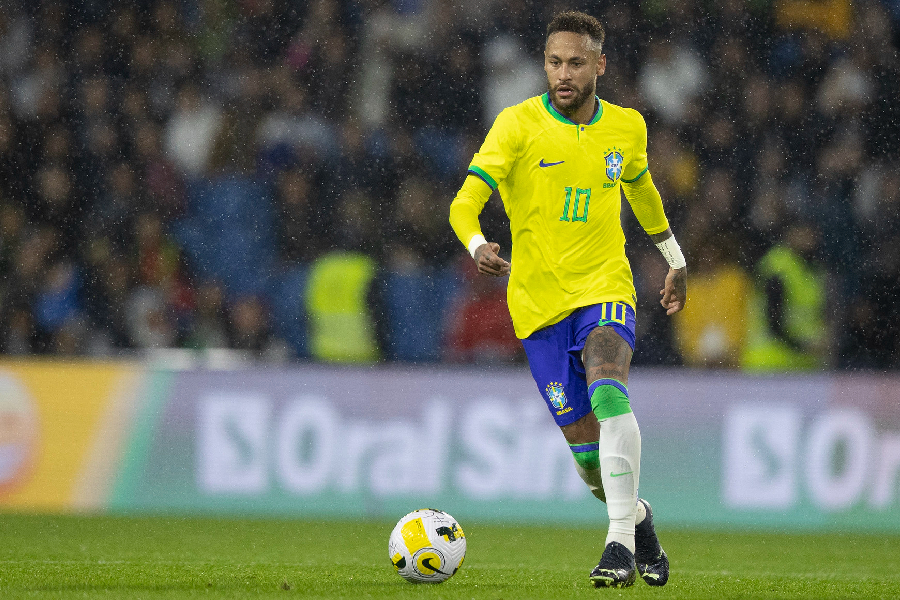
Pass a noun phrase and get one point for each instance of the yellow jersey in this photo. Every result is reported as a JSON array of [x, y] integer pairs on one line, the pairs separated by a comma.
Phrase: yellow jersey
[[560, 186]]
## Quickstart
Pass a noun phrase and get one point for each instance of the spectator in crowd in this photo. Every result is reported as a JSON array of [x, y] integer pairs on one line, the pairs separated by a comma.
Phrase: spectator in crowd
[[513, 76], [299, 238], [208, 329], [786, 318], [480, 329], [250, 328], [191, 131], [342, 328], [672, 79], [873, 329], [160, 180], [711, 330], [108, 280]]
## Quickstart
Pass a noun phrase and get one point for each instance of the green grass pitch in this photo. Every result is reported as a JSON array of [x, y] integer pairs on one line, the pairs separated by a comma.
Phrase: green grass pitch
[[167, 557]]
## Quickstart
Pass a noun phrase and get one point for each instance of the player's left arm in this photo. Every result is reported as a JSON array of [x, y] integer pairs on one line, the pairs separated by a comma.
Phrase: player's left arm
[[646, 203], [647, 206], [674, 292]]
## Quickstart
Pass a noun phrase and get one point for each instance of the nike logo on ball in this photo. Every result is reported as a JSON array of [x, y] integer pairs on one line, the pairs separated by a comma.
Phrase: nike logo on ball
[[427, 564], [546, 164], [620, 474]]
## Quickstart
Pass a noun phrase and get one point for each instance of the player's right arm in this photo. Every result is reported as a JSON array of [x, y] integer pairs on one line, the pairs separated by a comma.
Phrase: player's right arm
[[489, 167], [464, 213]]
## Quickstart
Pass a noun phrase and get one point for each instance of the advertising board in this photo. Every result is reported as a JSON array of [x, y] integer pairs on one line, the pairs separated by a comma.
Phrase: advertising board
[[719, 449]]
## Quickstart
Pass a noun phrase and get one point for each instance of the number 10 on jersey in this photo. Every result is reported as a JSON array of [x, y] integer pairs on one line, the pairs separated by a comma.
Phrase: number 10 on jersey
[[580, 195]]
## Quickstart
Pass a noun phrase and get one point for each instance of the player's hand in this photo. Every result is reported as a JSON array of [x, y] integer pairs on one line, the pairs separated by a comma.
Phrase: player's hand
[[674, 295], [489, 263]]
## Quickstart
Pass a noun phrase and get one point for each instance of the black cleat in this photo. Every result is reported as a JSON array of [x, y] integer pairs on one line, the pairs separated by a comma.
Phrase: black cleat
[[652, 562], [616, 568]]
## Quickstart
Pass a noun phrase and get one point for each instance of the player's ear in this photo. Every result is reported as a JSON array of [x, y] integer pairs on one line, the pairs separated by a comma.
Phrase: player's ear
[[601, 65]]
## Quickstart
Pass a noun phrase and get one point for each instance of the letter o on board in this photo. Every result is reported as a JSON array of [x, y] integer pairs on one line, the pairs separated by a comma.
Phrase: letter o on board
[[836, 486], [305, 444]]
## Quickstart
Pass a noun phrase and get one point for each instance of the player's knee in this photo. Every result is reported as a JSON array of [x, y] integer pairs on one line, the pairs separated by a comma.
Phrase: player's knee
[[609, 398]]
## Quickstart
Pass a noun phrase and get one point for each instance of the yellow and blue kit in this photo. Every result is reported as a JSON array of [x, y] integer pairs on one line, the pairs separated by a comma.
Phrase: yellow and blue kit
[[559, 182], [560, 185]]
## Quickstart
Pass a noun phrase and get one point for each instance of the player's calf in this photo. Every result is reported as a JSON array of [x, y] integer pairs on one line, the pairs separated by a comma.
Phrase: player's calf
[[587, 463], [620, 457]]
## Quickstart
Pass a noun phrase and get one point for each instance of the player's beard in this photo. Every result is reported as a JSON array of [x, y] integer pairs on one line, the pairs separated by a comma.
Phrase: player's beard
[[576, 102]]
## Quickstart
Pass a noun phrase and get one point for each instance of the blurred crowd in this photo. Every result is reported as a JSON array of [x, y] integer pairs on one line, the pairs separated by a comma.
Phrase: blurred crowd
[[274, 176]]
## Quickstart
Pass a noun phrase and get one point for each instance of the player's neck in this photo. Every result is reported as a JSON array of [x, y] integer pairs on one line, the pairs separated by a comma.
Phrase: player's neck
[[581, 115]]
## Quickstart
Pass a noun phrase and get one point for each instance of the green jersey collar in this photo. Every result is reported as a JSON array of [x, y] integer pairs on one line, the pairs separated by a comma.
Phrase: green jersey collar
[[545, 98]]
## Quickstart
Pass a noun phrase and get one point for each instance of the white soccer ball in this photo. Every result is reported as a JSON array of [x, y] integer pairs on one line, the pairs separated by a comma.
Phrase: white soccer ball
[[427, 545]]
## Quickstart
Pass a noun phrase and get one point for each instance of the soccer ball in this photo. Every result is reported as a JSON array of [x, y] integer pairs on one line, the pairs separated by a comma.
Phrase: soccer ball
[[427, 545]]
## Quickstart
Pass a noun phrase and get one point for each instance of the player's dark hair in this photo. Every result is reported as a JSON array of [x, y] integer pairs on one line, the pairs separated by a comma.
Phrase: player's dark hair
[[578, 22]]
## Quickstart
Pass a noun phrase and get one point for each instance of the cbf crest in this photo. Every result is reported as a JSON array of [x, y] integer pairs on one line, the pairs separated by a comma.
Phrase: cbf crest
[[614, 161], [556, 394]]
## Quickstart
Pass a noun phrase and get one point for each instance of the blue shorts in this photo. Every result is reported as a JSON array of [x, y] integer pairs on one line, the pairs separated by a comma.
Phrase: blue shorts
[[554, 355]]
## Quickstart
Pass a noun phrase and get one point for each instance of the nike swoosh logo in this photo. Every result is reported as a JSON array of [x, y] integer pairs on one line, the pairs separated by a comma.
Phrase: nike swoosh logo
[[546, 164], [427, 564], [620, 474]]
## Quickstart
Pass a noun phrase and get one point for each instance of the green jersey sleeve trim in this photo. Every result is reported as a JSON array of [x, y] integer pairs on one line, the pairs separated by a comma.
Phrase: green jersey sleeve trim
[[641, 174], [482, 175]]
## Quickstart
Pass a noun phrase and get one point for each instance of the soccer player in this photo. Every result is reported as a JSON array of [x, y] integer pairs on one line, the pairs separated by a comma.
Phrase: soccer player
[[559, 161]]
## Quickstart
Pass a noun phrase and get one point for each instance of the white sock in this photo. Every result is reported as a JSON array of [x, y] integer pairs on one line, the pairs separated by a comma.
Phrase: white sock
[[641, 513], [620, 462]]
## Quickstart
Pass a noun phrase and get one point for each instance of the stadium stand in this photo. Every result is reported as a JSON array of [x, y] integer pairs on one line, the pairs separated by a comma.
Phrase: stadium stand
[[170, 171]]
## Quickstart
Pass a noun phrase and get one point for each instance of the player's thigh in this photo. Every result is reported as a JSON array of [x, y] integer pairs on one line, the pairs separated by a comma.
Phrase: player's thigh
[[557, 373], [607, 355]]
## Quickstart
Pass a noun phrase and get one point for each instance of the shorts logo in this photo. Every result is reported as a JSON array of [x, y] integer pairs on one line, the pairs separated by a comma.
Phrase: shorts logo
[[614, 160], [556, 394]]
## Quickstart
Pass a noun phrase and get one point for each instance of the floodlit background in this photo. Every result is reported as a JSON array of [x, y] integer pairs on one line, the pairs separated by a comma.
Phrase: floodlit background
[[230, 218]]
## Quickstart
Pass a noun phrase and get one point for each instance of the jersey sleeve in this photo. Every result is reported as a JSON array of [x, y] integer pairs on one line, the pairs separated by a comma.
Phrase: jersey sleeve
[[638, 165], [495, 159], [647, 204], [466, 207], [488, 168], [638, 185]]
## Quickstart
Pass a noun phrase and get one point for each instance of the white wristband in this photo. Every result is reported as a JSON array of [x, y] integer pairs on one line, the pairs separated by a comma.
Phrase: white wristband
[[671, 251], [476, 241]]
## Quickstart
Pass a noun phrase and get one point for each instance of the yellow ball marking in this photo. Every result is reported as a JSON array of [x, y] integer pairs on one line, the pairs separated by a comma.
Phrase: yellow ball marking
[[414, 535]]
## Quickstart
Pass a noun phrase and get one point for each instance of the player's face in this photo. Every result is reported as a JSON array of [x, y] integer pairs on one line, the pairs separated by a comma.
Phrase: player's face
[[572, 65]]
